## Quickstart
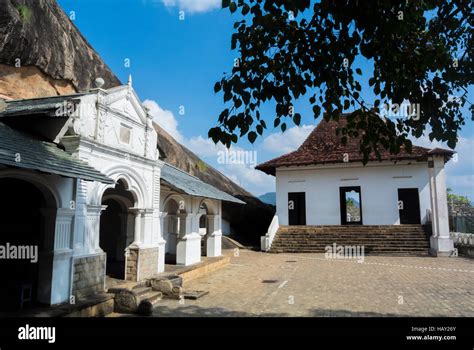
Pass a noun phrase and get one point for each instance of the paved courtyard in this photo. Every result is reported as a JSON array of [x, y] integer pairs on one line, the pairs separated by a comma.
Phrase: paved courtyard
[[261, 284]]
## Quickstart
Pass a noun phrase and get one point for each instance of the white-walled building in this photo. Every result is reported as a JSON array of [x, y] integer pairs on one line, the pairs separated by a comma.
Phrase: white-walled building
[[324, 183], [81, 178]]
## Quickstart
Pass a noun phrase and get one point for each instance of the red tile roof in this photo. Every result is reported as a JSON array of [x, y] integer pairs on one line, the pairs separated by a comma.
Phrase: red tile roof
[[323, 146]]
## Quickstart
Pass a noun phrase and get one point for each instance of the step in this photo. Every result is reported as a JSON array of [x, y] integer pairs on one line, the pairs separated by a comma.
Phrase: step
[[152, 296], [139, 291]]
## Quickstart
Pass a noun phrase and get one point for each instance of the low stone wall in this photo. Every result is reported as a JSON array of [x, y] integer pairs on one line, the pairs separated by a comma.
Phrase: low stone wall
[[203, 268], [464, 242], [89, 275]]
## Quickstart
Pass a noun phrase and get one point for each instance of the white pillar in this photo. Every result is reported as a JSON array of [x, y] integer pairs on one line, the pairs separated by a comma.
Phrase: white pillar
[[147, 230], [441, 242], [56, 259], [162, 242], [188, 249], [92, 232], [214, 236], [138, 227]]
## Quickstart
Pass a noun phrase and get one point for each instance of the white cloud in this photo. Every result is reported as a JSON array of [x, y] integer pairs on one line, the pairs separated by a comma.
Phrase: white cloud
[[165, 119], [244, 175], [252, 180], [287, 141], [204, 147], [194, 6]]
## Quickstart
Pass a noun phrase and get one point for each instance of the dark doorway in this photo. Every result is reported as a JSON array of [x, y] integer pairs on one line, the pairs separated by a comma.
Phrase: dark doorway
[[409, 206], [21, 225], [297, 208], [114, 223], [203, 230], [351, 205]]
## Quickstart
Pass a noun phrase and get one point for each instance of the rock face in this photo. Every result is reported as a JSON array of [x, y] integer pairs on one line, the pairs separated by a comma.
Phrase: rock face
[[182, 158], [39, 34], [30, 82], [42, 53]]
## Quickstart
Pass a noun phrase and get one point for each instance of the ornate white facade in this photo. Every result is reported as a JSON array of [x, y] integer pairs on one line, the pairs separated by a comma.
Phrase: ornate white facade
[[133, 219]]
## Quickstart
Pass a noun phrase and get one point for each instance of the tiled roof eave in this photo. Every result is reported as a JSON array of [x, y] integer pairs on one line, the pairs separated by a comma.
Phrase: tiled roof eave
[[270, 169]]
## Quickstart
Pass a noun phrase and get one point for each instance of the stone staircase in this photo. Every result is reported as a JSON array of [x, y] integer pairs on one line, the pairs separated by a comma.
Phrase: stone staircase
[[148, 294], [403, 240], [131, 295]]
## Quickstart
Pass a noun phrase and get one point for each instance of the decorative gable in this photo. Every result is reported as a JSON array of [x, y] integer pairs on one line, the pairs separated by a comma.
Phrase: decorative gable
[[117, 119]]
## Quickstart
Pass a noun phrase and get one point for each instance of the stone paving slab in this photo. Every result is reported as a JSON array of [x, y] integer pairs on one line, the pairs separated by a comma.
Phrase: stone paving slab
[[262, 284]]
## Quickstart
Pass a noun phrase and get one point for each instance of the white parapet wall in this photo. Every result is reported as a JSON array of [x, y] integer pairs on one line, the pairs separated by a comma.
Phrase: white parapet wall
[[266, 241]]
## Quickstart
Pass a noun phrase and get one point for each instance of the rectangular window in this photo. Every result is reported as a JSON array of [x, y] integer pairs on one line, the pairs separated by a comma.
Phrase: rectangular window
[[125, 134]]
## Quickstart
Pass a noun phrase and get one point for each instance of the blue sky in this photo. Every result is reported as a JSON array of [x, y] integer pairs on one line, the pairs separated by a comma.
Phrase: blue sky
[[175, 64]]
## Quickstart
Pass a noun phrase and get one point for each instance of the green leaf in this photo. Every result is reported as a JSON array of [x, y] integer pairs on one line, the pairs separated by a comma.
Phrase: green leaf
[[232, 7], [283, 127], [225, 3], [297, 118], [217, 87], [317, 111], [276, 122], [359, 71], [252, 136]]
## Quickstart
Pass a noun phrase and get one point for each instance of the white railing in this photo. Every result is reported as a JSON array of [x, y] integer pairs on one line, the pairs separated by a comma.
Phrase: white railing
[[465, 239], [266, 241]]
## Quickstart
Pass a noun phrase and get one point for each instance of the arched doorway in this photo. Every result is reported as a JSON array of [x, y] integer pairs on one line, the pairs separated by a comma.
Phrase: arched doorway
[[173, 207], [26, 273], [116, 228], [203, 227]]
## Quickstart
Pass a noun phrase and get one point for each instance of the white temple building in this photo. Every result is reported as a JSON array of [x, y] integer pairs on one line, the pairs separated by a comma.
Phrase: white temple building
[[324, 184], [81, 178]]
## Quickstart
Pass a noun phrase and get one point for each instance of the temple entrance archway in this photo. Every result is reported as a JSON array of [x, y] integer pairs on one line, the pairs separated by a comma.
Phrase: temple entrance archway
[[116, 227], [26, 236], [174, 207], [203, 227]]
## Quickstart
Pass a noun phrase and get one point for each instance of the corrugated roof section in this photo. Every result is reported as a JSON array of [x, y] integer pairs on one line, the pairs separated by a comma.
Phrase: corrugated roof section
[[44, 105], [191, 185], [21, 151]]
